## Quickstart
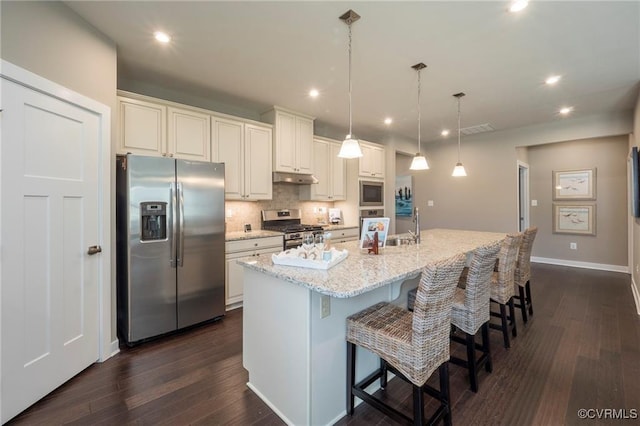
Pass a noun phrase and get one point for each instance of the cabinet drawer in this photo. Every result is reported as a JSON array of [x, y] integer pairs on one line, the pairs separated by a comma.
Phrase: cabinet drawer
[[344, 233], [254, 244]]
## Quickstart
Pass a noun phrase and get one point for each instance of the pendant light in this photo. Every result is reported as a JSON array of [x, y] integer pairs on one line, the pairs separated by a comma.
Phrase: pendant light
[[350, 147], [419, 161], [459, 170]]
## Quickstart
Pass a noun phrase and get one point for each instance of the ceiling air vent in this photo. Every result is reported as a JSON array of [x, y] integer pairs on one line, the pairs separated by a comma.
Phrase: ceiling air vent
[[480, 128]]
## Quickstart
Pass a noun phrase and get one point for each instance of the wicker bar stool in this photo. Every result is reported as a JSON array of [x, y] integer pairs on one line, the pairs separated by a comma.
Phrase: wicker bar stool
[[523, 273], [502, 286], [470, 311], [410, 345]]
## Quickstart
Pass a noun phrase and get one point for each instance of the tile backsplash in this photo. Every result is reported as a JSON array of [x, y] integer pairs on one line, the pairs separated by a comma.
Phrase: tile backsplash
[[284, 196]]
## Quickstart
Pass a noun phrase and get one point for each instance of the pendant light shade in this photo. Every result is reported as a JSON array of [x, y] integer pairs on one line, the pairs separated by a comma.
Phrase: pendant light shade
[[419, 161], [459, 170], [350, 146]]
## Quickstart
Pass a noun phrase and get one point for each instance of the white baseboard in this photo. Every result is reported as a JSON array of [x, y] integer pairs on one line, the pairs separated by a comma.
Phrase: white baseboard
[[115, 347], [586, 265], [636, 295], [233, 306]]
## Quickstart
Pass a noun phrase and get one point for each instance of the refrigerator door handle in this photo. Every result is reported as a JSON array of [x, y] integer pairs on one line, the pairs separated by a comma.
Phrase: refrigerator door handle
[[173, 220], [180, 256]]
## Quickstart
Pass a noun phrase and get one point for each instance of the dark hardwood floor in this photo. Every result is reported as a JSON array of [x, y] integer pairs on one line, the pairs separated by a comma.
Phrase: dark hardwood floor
[[581, 349]]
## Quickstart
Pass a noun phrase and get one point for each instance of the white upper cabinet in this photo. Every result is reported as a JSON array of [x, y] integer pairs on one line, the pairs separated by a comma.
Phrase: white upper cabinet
[[189, 134], [330, 171], [160, 129], [293, 140], [258, 147], [142, 127], [372, 161], [245, 150]]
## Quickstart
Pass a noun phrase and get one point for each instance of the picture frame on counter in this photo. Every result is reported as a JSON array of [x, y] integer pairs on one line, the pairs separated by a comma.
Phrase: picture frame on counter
[[574, 219], [578, 184], [369, 227]]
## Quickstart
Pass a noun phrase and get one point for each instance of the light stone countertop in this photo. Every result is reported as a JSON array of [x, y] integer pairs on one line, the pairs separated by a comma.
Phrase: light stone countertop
[[258, 233], [361, 272]]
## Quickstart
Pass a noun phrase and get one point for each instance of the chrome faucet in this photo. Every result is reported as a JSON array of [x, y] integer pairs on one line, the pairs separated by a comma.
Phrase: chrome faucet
[[416, 219]]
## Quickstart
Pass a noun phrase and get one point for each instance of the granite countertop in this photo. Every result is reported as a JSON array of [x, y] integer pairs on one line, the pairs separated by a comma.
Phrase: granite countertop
[[361, 272], [259, 233]]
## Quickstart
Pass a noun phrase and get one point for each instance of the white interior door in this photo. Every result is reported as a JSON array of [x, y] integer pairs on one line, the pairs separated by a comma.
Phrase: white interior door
[[50, 210]]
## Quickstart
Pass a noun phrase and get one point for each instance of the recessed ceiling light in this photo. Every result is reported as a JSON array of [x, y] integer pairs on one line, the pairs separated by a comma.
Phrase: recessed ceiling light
[[388, 121], [445, 132], [553, 79], [565, 110], [314, 93], [518, 5], [162, 37]]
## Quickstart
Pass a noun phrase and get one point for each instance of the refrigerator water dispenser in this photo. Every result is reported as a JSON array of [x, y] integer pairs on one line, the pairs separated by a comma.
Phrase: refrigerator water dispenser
[[153, 220]]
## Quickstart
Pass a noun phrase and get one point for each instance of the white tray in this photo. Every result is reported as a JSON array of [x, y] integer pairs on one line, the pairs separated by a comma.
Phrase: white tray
[[295, 257]]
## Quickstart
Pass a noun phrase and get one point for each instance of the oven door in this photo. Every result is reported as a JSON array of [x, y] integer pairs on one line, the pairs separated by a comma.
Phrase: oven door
[[289, 244]]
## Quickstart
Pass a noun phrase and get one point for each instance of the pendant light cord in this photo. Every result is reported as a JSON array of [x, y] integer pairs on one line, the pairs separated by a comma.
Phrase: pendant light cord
[[350, 136], [458, 130], [419, 151]]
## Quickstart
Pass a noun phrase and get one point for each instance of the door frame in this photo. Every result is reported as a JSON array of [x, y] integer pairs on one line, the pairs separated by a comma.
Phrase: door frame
[[521, 165], [16, 74]]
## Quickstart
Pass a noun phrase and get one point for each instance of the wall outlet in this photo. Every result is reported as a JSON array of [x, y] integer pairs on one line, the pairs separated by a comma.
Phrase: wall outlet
[[573, 246], [325, 306], [534, 203], [229, 213], [430, 203], [637, 268]]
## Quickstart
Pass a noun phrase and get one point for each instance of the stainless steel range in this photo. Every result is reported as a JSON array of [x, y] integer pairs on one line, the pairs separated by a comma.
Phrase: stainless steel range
[[288, 221]]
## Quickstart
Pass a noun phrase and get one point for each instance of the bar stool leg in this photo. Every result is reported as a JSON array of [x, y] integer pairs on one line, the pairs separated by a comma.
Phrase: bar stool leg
[[528, 288], [505, 326], [418, 405], [443, 371], [512, 313], [383, 374], [471, 360], [486, 347], [523, 304], [351, 376]]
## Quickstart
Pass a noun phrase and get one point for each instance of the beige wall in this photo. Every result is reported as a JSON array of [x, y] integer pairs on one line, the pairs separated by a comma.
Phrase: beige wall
[[609, 157], [487, 198], [52, 41]]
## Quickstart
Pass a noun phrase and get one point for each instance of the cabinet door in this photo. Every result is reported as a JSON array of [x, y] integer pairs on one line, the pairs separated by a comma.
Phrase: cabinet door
[[304, 145], [257, 167], [372, 161], [234, 278], [285, 149], [338, 172], [189, 135], [142, 127], [234, 281], [228, 142], [321, 153], [377, 162]]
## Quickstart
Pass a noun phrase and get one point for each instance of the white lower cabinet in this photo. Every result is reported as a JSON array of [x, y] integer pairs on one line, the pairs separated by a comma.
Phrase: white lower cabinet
[[345, 234], [234, 273]]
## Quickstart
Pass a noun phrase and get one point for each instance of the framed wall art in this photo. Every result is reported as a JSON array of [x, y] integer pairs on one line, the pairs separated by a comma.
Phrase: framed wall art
[[574, 184], [574, 219], [369, 227]]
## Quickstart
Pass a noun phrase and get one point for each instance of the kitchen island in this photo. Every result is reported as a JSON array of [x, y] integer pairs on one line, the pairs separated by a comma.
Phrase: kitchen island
[[294, 319]]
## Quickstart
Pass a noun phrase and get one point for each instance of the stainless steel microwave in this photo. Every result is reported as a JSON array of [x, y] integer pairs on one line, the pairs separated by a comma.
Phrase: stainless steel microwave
[[371, 193]]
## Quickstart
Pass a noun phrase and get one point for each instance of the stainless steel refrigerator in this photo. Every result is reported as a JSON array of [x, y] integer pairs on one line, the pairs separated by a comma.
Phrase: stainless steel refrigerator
[[170, 244]]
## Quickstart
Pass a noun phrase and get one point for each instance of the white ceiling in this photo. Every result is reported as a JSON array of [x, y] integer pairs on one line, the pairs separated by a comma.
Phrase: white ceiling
[[257, 54]]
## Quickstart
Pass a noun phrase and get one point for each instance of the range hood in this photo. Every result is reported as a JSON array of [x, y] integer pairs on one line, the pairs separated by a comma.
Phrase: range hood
[[293, 178]]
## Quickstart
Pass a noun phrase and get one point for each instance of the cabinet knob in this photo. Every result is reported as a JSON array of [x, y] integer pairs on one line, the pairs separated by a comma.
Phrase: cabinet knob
[[255, 244]]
